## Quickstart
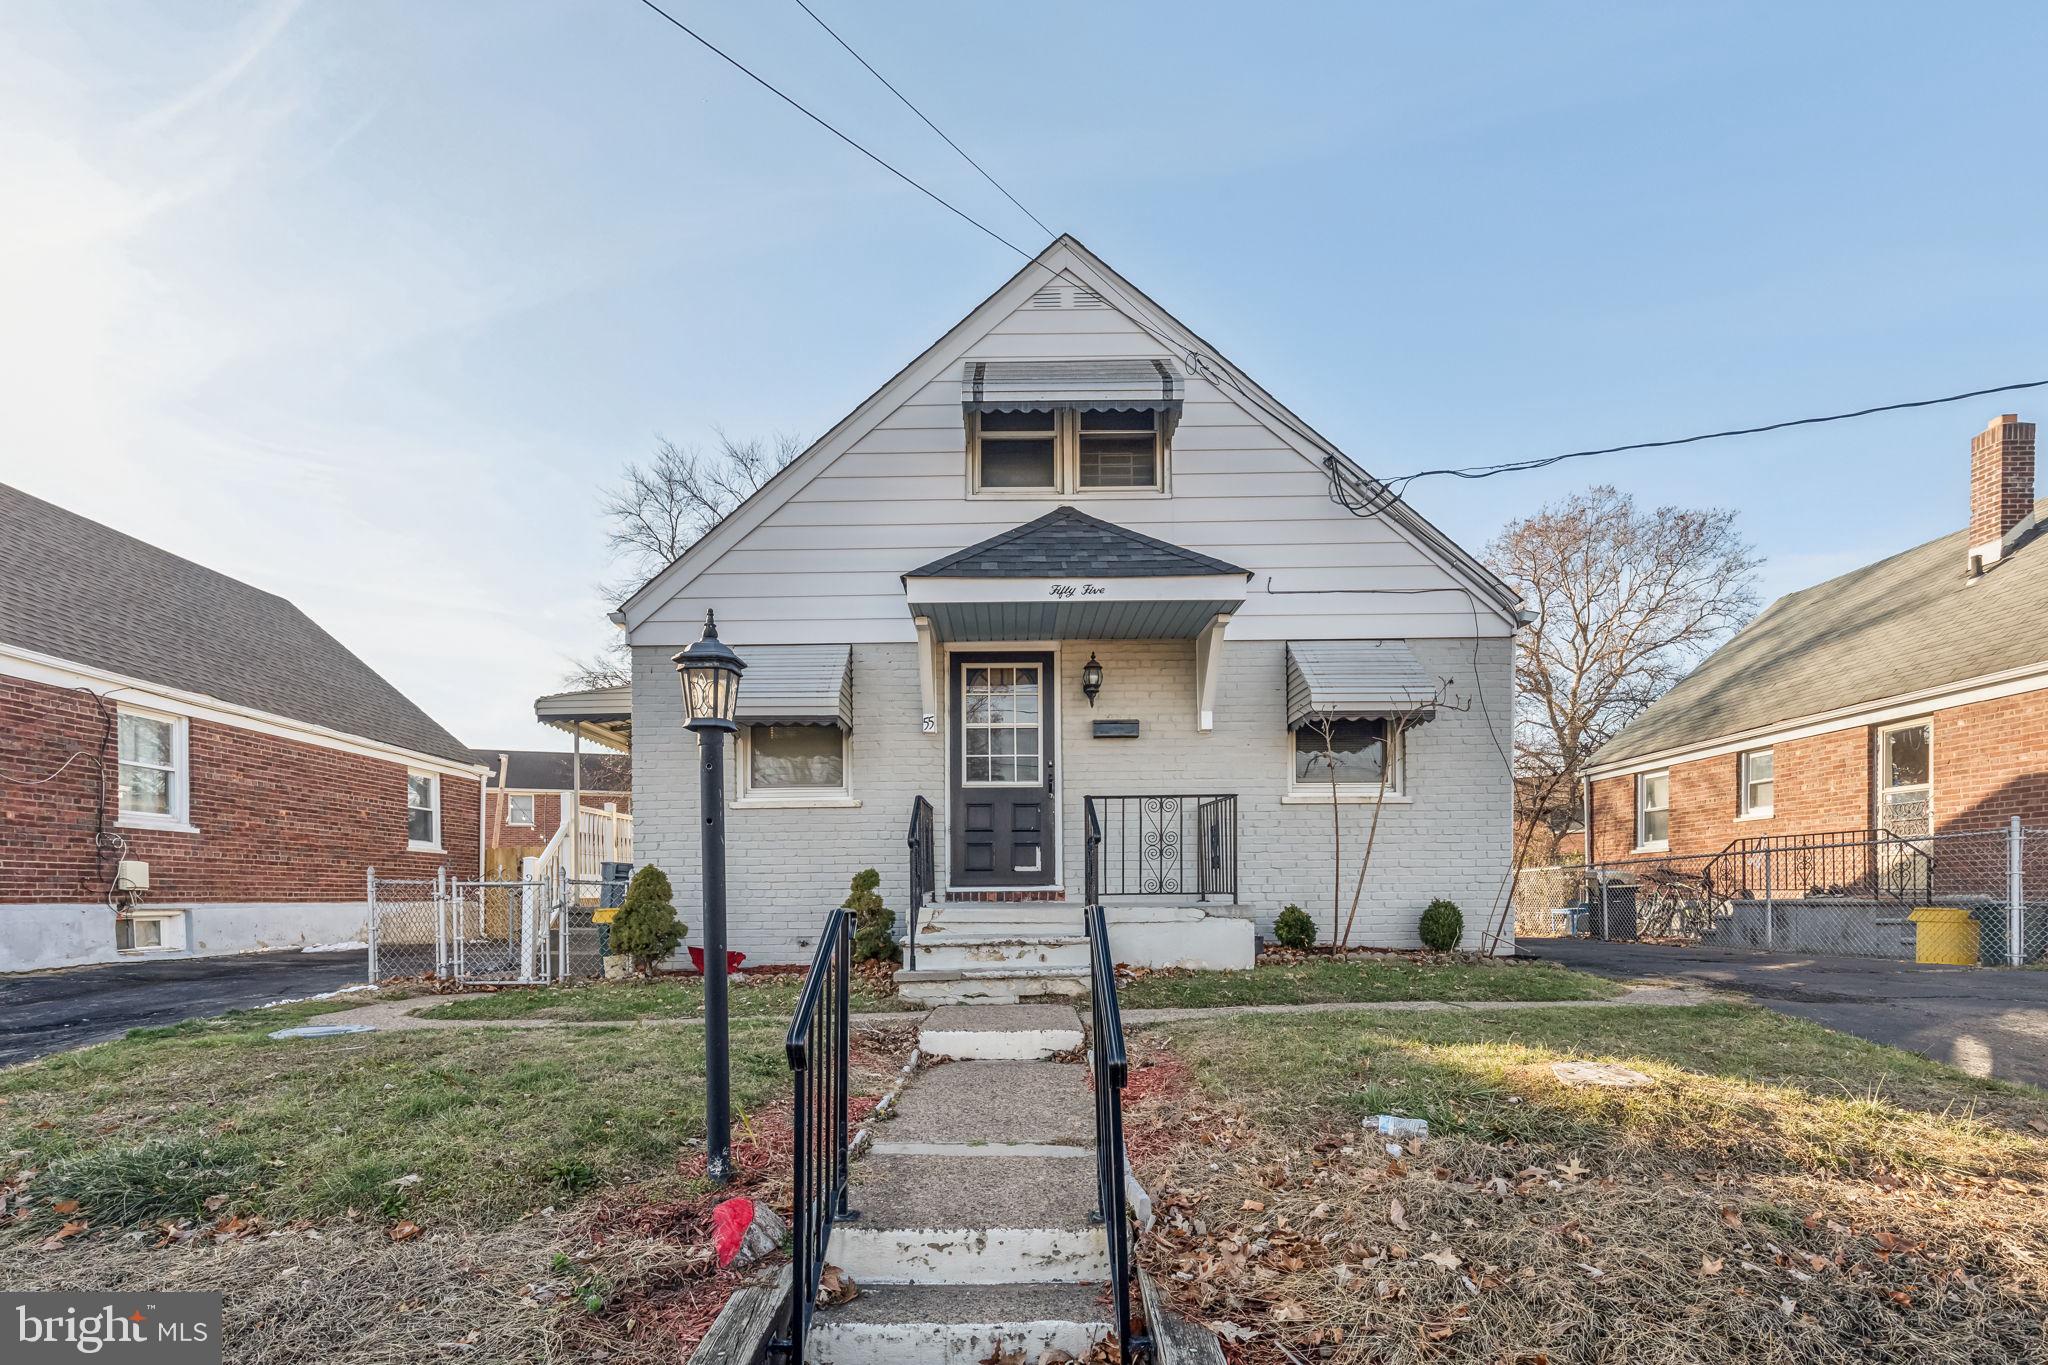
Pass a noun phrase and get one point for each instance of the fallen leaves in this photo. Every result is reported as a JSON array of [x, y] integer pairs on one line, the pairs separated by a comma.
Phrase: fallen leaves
[[1397, 1215], [64, 1234], [404, 1230], [836, 1286]]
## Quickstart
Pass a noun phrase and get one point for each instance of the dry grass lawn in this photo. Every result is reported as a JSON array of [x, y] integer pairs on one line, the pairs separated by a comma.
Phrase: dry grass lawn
[[1777, 1193], [445, 1194]]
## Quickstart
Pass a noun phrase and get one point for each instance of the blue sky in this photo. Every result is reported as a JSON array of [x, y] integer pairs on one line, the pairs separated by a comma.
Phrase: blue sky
[[364, 302]]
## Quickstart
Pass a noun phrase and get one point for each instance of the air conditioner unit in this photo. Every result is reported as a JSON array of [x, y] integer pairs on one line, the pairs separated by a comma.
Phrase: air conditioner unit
[[132, 874]]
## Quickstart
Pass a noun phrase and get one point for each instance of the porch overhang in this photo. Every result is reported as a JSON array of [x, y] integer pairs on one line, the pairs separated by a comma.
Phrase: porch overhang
[[975, 610], [602, 715]]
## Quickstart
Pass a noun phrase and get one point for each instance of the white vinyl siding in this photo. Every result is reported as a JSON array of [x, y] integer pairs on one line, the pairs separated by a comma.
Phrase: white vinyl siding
[[1653, 810], [827, 564]]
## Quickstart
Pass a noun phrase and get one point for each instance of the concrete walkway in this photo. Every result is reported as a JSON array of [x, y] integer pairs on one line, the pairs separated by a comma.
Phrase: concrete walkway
[[398, 1016]]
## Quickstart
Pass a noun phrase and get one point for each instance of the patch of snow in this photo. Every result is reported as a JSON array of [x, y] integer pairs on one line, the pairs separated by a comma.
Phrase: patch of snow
[[352, 946], [324, 995]]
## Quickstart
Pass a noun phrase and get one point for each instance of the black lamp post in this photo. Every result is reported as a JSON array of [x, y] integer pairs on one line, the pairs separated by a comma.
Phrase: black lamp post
[[711, 687], [1091, 678]]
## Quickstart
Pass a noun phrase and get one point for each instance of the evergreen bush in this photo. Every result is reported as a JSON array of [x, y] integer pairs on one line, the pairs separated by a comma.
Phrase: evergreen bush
[[1294, 929], [646, 928], [872, 920], [1443, 924]]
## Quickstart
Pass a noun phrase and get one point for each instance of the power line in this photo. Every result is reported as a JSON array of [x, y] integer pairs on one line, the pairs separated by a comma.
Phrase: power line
[[1350, 487], [1389, 491], [742, 68], [927, 122], [1210, 367]]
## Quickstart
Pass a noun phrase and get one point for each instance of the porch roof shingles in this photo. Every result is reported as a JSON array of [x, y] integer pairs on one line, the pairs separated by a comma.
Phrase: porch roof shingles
[[1068, 543]]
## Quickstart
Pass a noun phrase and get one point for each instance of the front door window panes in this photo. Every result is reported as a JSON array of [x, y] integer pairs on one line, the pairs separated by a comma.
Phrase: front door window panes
[[1001, 737]]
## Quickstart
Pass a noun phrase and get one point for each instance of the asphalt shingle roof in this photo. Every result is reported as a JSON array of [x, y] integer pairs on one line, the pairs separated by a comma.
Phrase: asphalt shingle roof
[[1066, 543], [545, 770], [76, 590], [1902, 625]]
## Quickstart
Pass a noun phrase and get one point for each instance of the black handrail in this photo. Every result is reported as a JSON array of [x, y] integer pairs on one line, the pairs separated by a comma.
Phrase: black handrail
[[1111, 1068], [817, 1050], [924, 877], [1164, 845]]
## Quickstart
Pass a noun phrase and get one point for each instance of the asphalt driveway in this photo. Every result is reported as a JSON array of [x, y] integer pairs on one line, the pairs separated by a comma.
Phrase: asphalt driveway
[[48, 1012], [1988, 1021]]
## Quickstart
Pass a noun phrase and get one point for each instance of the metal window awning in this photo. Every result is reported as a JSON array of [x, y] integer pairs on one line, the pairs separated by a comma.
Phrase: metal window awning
[[1036, 385], [1351, 679], [796, 685]]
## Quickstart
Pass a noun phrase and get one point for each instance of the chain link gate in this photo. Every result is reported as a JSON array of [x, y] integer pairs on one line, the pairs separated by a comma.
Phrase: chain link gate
[[1951, 897], [495, 932]]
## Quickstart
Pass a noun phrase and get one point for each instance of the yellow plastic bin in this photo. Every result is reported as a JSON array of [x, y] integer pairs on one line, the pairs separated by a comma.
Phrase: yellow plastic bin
[[1942, 933]]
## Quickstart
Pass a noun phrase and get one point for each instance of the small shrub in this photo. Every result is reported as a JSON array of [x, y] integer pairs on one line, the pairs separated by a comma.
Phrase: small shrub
[[1294, 929], [646, 928], [1443, 924], [873, 921]]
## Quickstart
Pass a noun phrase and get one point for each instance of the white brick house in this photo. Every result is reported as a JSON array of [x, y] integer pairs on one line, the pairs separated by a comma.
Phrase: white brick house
[[1070, 475]]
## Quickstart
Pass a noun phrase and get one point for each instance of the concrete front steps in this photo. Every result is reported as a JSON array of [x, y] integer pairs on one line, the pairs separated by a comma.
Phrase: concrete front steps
[[974, 1199], [999, 953]]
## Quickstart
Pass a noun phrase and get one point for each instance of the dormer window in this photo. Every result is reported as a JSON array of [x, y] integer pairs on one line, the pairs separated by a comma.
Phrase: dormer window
[[1062, 427], [1084, 450]]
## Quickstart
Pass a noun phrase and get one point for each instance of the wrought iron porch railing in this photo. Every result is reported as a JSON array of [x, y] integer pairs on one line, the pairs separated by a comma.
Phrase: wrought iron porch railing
[[1162, 846], [924, 877], [817, 1050], [1111, 1068]]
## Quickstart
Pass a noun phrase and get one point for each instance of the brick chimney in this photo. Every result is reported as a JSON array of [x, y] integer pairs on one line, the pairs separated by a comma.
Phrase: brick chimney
[[2001, 488]]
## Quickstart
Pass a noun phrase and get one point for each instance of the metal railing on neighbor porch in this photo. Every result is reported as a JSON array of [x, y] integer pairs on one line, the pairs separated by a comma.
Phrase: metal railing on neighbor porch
[[818, 1060], [1162, 846], [1846, 892], [1111, 1068], [924, 877]]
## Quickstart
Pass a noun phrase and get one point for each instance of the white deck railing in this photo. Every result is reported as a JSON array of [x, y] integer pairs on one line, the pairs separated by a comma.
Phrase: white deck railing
[[599, 837]]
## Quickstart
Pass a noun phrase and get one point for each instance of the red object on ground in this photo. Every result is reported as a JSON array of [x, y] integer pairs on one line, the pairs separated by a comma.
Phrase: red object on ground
[[729, 1224], [732, 960]]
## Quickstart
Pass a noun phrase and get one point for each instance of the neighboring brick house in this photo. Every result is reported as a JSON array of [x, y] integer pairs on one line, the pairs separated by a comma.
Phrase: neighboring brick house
[[1910, 696], [1069, 557], [160, 720], [529, 789]]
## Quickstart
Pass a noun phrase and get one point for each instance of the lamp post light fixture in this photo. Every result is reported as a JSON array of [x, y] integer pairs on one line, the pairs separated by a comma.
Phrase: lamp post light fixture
[[1091, 678], [710, 674]]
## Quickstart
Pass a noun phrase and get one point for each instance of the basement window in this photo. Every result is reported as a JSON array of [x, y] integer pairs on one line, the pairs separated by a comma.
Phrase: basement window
[[155, 931]]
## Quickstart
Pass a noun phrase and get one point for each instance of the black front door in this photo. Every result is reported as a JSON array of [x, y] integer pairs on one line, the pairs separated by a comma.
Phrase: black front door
[[1002, 755]]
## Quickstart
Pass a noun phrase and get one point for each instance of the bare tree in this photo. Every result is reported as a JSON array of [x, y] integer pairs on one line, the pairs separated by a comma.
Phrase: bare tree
[[660, 509], [1626, 601]]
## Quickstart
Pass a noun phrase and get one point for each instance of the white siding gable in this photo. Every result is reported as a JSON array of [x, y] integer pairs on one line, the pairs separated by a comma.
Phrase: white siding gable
[[817, 555]]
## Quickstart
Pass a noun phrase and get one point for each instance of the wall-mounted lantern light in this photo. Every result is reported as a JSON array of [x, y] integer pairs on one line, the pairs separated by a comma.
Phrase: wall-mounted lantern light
[[1091, 678]]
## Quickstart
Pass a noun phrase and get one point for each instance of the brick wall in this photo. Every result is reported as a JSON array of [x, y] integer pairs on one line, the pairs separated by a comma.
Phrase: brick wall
[[1990, 764], [547, 818], [278, 821], [786, 868]]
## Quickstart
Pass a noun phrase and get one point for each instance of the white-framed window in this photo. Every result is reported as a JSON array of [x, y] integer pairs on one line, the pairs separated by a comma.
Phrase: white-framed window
[[793, 762], [1002, 730], [1754, 798], [1905, 779], [1356, 750], [1653, 810], [155, 767], [1089, 450], [423, 812], [519, 809], [150, 931]]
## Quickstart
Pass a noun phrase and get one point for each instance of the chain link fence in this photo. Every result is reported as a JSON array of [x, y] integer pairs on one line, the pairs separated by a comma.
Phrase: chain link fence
[[408, 927], [1977, 896], [534, 930]]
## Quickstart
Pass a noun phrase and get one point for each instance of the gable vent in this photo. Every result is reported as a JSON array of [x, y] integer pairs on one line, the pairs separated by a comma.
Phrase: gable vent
[[1085, 297], [1052, 296]]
